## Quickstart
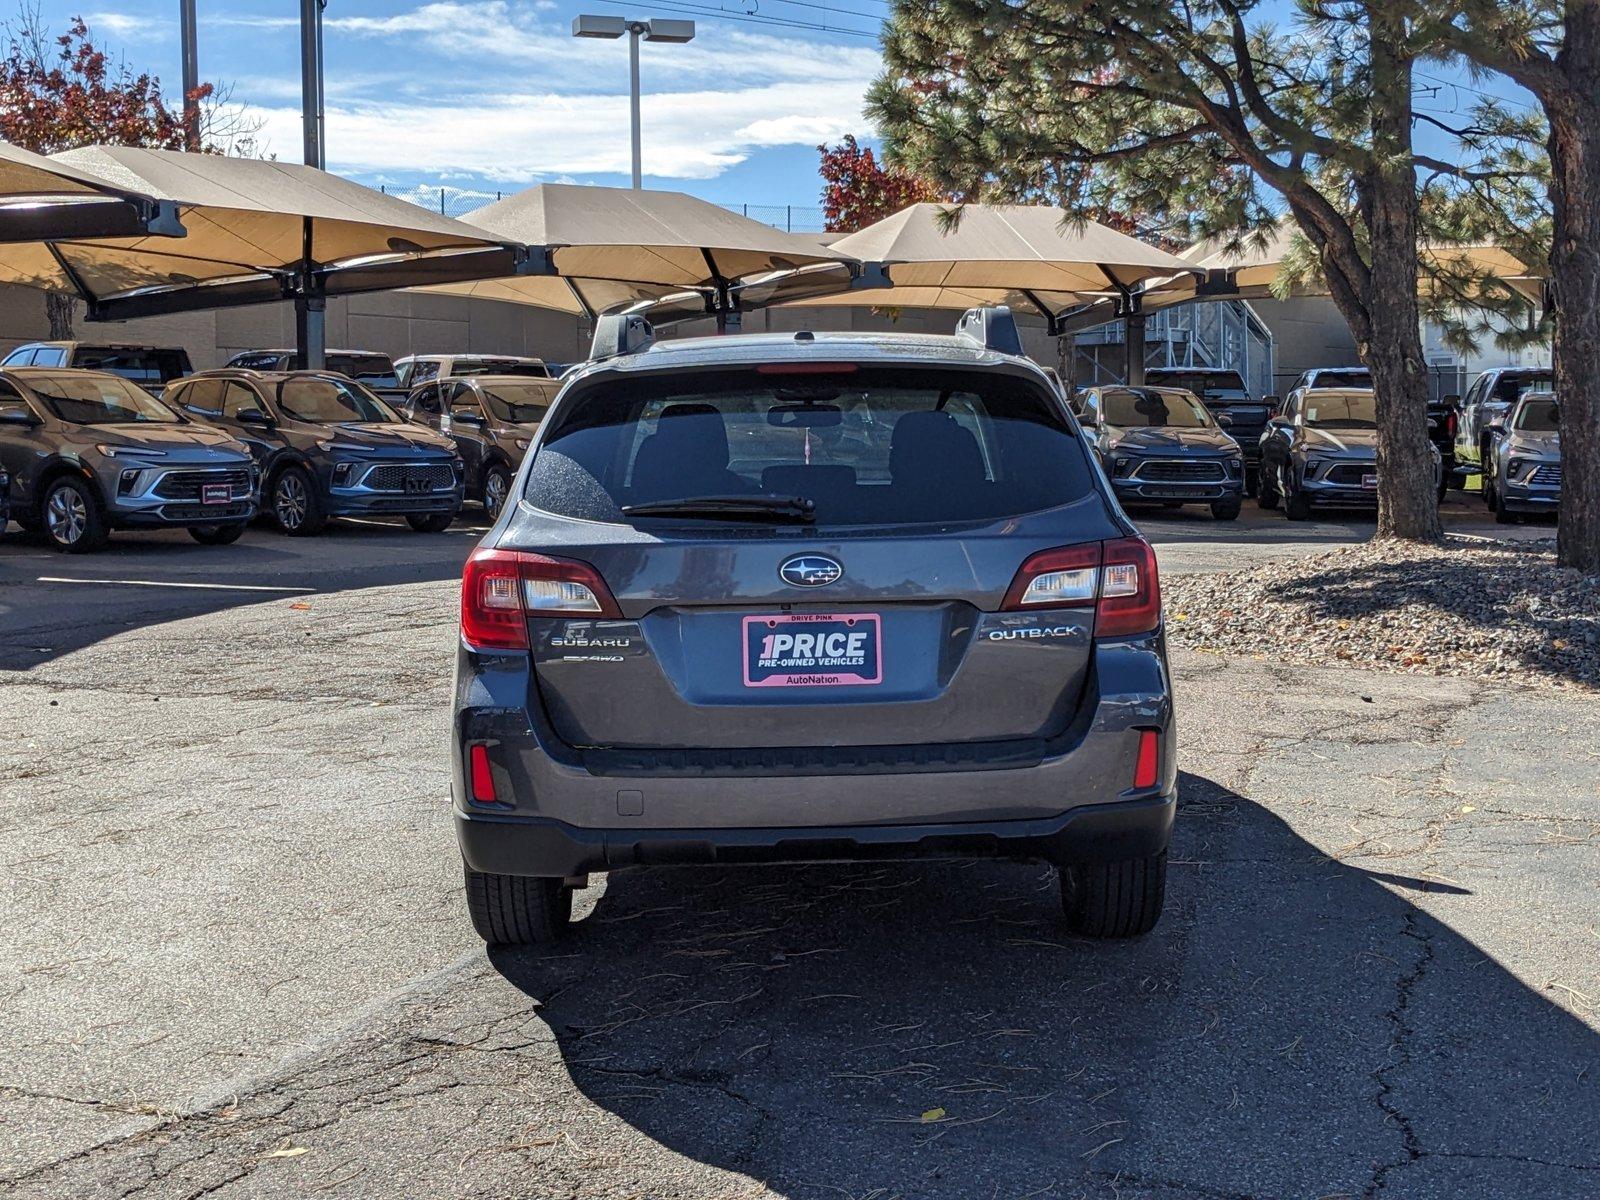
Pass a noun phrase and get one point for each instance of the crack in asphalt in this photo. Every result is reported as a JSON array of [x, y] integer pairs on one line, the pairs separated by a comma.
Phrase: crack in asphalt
[[1400, 1048]]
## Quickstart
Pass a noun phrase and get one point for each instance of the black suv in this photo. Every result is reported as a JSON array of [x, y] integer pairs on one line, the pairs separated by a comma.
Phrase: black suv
[[492, 419], [364, 366], [1223, 391], [328, 447], [151, 367]]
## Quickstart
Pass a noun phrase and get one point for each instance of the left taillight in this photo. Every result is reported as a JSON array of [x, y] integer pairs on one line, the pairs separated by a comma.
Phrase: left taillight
[[1118, 578], [501, 589]]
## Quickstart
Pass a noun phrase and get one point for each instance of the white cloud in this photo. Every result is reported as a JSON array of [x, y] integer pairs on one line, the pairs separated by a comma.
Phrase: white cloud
[[500, 41], [129, 27], [687, 135], [508, 95]]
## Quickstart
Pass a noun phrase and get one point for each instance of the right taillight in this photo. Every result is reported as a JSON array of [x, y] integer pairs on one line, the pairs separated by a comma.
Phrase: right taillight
[[1130, 589], [1118, 578], [501, 589]]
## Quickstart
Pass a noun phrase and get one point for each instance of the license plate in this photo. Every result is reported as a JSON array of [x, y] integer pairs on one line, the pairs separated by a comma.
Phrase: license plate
[[216, 493], [1370, 482], [416, 485], [813, 650]]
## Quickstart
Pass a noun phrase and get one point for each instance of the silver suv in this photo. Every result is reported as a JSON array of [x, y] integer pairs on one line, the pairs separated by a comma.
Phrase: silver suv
[[89, 452], [779, 598], [1523, 471]]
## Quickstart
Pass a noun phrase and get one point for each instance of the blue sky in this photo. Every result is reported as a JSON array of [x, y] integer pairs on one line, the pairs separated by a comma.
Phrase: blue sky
[[488, 95], [497, 94]]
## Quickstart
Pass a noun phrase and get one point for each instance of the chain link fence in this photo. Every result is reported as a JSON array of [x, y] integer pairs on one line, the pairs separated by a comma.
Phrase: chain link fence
[[456, 202]]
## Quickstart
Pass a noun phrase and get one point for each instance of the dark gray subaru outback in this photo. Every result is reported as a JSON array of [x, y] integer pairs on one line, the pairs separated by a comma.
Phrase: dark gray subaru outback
[[784, 598]]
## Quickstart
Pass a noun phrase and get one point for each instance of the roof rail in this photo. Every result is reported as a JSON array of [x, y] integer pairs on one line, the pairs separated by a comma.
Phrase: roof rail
[[992, 327], [620, 333]]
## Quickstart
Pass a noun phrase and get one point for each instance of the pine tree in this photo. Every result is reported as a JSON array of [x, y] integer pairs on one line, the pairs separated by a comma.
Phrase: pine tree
[[1209, 118]]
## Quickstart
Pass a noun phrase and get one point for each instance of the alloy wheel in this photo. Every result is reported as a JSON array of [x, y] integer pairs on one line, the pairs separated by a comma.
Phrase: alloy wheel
[[289, 502], [67, 515], [494, 494]]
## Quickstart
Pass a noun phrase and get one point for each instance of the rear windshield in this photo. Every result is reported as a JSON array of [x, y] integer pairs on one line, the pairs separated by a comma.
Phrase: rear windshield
[[91, 400], [145, 367], [1352, 410], [1173, 410], [374, 370], [1538, 413], [519, 403], [1208, 385], [258, 362], [1513, 383], [500, 366], [1354, 377], [330, 401], [875, 446]]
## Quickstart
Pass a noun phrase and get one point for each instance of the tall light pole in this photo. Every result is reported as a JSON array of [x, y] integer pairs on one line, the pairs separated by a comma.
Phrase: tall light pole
[[191, 76], [310, 310], [654, 30]]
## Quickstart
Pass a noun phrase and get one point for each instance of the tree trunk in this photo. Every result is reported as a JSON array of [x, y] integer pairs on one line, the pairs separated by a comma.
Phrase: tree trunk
[[58, 309], [1408, 499], [1575, 281]]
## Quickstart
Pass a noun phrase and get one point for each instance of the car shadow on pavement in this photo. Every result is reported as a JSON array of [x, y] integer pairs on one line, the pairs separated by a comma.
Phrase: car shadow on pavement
[[1292, 1028], [52, 604]]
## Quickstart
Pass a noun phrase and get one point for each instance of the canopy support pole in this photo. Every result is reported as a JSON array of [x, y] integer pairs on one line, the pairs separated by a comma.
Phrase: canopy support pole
[[310, 332], [1133, 338], [310, 309]]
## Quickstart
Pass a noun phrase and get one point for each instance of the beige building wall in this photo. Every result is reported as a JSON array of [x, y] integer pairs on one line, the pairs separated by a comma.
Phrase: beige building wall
[[1307, 331], [395, 323]]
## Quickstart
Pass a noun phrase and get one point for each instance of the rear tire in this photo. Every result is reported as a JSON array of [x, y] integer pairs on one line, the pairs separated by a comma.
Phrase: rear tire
[[517, 910], [1266, 491], [217, 535], [1114, 899], [296, 507], [72, 518], [1227, 510], [1296, 507], [430, 522], [1502, 514]]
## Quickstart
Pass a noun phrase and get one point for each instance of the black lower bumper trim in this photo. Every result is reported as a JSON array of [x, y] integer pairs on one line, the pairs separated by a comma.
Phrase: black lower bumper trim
[[506, 845]]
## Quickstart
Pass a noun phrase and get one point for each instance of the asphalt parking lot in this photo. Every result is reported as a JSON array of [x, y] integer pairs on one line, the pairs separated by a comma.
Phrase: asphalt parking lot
[[238, 962]]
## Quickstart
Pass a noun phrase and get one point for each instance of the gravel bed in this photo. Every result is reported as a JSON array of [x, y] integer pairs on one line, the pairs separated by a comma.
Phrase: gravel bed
[[1469, 606]]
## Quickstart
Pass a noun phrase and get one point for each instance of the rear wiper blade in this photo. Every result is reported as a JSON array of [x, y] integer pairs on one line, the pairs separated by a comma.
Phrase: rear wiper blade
[[732, 508]]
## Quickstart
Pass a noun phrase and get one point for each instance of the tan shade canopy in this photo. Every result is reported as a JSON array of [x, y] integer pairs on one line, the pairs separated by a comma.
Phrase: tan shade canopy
[[251, 225], [1008, 247], [1255, 266], [26, 175], [577, 297], [617, 246], [42, 197]]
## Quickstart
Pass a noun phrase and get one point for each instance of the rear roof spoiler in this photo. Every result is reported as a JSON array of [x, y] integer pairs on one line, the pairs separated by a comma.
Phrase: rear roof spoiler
[[992, 327], [620, 333]]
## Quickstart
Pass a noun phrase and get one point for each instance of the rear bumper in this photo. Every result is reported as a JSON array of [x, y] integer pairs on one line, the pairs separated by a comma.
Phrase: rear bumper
[[179, 513], [1522, 498], [563, 810], [341, 503], [1338, 495], [506, 845], [1197, 493]]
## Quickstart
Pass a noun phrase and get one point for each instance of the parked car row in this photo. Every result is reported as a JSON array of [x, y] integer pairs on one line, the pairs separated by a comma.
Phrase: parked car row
[[86, 451], [1171, 442]]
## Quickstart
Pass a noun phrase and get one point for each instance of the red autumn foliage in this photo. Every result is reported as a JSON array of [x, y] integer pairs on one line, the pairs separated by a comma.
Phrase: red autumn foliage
[[59, 93], [857, 190]]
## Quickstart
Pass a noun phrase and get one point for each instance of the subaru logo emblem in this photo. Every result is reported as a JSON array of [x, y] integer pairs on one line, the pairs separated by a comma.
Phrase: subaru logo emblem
[[810, 570]]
